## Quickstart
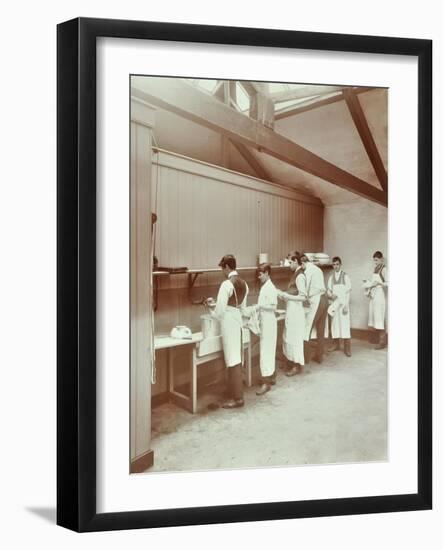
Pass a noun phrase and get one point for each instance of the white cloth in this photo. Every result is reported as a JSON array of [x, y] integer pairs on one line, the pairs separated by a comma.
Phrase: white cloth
[[315, 285], [341, 322], [377, 302], [231, 322], [253, 322], [294, 332], [267, 298]]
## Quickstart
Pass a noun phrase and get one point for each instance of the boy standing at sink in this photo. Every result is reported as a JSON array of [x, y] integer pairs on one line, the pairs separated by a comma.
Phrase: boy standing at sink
[[266, 307], [231, 301]]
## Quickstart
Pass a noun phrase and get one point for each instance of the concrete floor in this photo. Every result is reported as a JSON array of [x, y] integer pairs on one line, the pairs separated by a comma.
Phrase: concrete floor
[[332, 413]]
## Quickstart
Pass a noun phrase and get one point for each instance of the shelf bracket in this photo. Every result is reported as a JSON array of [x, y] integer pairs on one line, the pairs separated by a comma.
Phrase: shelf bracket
[[192, 277]]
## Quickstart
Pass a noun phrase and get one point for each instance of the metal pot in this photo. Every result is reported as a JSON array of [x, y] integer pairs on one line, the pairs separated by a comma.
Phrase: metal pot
[[210, 326]]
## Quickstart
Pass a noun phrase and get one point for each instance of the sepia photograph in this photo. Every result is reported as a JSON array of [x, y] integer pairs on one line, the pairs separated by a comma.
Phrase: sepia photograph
[[259, 260]]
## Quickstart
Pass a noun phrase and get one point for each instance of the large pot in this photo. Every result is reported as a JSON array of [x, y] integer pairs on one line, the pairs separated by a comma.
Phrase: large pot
[[210, 326]]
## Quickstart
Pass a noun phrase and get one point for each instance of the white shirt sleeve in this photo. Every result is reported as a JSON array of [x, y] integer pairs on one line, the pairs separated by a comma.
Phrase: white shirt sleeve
[[316, 281]]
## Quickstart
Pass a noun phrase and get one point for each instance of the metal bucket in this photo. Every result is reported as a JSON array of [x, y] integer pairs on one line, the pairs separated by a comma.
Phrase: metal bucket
[[210, 326]]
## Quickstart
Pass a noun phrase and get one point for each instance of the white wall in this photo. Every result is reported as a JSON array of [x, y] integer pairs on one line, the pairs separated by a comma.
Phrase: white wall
[[354, 231], [28, 276]]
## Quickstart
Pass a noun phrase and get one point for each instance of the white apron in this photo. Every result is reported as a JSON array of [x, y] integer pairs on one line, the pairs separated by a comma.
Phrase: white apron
[[231, 329], [268, 329], [293, 335], [341, 323], [377, 305]]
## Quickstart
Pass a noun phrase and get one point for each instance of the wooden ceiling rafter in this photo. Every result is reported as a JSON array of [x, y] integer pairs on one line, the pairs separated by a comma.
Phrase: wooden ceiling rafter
[[184, 100], [301, 93], [361, 123], [314, 104], [230, 97]]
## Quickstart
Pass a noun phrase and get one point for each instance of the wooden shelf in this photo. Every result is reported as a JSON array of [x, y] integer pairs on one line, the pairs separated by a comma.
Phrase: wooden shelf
[[193, 275]]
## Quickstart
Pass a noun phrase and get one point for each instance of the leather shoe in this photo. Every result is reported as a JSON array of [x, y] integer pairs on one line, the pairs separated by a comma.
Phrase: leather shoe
[[335, 346], [233, 404], [292, 372], [264, 388]]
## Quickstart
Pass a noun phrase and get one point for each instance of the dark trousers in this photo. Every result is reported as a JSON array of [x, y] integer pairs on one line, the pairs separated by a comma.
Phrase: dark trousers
[[235, 382], [319, 323]]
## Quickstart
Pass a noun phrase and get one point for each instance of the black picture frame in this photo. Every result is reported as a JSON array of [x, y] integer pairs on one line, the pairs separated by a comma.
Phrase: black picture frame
[[76, 273]]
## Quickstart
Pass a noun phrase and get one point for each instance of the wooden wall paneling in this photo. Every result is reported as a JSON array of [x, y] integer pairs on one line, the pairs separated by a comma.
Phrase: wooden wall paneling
[[162, 220], [303, 224], [299, 225], [161, 225], [242, 227], [206, 218], [173, 221], [279, 229], [271, 224], [282, 213], [287, 221], [230, 220], [189, 221], [240, 236], [249, 241], [272, 229], [266, 223], [195, 219]]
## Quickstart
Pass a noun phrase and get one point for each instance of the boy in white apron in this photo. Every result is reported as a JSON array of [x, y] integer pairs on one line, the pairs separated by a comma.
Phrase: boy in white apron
[[231, 301], [376, 289], [294, 333], [316, 309], [266, 307], [339, 291]]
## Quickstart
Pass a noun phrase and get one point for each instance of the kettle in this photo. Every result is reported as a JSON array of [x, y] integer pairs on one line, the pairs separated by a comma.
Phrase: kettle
[[181, 331]]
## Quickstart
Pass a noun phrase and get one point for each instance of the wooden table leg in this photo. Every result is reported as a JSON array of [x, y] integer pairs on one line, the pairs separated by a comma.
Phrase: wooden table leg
[[170, 371], [193, 393]]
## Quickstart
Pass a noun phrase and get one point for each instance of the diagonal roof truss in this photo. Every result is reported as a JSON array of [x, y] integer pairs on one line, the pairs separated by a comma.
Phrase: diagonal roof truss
[[184, 100]]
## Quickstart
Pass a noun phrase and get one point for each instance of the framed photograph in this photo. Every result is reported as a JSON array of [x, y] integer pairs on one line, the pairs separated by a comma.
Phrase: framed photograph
[[244, 274]]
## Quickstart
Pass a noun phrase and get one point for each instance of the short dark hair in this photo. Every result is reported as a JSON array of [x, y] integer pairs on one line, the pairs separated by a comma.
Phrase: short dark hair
[[296, 258], [228, 260], [304, 258], [336, 259], [378, 254], [265, 268]]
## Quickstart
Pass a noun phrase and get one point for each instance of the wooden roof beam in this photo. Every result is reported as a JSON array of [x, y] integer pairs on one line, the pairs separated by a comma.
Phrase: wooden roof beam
[[184, 100], [306, 91], [249, 157], [315, 103], [361, 123]]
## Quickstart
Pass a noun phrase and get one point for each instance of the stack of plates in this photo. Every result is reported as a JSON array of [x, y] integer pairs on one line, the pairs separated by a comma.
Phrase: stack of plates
[[310, 255], [322, 258]]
